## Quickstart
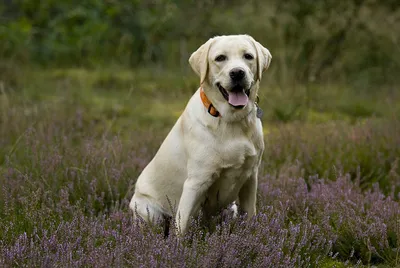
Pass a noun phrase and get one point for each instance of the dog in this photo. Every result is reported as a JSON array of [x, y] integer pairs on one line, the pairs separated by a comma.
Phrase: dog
[[211, 156]]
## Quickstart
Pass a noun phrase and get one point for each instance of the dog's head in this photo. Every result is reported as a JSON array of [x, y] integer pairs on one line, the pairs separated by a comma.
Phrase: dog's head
[[230, 68]]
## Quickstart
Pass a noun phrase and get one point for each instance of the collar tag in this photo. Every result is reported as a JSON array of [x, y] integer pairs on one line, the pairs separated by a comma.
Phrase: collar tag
[[259, 112]]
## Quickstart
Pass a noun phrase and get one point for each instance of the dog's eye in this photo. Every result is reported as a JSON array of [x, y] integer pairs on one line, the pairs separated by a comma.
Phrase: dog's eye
[[220, 58], [248, 56]]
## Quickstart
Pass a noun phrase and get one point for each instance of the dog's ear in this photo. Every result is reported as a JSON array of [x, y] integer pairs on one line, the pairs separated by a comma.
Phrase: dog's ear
[[263, 57], [199, 60]]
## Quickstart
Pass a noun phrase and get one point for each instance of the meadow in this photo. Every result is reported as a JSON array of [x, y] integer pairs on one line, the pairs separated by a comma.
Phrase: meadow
[[73, 141], [89, 90]]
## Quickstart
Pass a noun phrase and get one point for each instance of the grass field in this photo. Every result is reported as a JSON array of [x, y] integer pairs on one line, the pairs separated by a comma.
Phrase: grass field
[[73, 141]]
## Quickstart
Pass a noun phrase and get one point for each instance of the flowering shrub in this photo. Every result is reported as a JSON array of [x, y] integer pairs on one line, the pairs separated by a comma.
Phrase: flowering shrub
[[328, 196]]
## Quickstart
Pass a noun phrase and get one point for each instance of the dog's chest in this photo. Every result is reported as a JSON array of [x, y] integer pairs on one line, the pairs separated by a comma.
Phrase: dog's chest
[[237, 155], [238, 161]]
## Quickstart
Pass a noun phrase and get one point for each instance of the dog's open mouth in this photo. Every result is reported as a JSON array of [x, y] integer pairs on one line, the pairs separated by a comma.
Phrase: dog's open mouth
[[236, 97]]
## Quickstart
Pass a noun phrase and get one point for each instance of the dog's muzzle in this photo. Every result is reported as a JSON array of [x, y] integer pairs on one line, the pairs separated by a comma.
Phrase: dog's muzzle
[[237, 96]]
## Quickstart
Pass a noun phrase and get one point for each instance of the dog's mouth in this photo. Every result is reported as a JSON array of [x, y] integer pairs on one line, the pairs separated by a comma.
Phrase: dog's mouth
[[236, 97]]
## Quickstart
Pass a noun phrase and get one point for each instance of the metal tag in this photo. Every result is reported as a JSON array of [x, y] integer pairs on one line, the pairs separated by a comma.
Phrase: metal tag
[[259, 113]]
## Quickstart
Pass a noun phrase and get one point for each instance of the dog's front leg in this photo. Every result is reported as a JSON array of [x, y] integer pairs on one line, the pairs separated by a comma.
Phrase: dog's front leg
[[248, 195], [194, 191]]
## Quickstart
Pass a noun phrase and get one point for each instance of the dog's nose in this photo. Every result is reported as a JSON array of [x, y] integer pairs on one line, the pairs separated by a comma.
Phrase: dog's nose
[[236, 74]]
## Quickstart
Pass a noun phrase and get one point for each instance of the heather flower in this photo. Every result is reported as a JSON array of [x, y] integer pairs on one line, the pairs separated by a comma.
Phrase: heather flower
[[327, 195]]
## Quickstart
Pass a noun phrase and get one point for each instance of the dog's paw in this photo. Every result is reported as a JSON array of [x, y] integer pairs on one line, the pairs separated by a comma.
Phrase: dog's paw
[[234, 209]]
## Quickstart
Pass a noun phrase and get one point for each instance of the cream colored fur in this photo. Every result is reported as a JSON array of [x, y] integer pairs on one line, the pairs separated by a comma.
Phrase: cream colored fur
[[209, 162]]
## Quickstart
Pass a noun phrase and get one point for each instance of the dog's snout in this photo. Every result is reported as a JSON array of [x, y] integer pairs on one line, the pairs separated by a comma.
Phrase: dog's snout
[[237, 74]]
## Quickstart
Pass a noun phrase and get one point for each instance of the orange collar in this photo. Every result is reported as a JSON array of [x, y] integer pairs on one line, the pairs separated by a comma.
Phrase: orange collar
[[207, 103]]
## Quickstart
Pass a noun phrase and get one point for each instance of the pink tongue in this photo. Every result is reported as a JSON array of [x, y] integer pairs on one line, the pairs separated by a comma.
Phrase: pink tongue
[[238, 98]]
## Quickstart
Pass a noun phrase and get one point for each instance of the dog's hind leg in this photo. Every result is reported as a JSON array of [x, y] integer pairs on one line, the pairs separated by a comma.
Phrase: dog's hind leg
[[145, 209]]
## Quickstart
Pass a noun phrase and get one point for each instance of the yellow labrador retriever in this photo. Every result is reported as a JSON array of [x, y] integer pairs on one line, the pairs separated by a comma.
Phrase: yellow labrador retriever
[[211, 156]]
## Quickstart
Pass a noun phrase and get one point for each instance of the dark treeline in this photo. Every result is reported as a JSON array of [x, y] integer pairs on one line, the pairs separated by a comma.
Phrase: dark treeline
[[352, 40]]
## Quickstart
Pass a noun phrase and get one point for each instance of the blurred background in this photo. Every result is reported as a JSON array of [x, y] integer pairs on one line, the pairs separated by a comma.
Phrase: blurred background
[[104, 70], [355, 41], [119, 69]]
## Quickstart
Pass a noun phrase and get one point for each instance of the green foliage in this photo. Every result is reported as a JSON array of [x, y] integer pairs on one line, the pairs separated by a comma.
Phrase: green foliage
[[353, 40]]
